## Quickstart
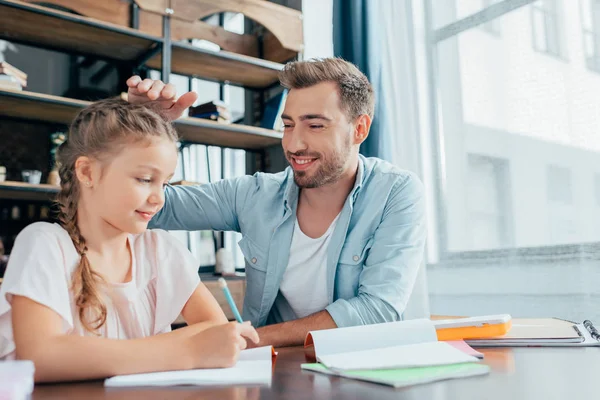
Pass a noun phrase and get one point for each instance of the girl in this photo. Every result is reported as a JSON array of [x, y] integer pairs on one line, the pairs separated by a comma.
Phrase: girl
[[73, 291]]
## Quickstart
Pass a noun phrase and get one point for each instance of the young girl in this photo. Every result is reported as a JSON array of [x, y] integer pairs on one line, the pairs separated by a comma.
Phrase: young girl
[[95, 295]]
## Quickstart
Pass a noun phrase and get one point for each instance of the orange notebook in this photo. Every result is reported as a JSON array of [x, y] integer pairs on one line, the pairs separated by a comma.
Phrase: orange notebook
[[473, 327]]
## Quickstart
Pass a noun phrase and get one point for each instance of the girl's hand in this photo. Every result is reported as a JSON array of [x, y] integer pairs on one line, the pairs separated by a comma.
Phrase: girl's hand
[[220, 346]]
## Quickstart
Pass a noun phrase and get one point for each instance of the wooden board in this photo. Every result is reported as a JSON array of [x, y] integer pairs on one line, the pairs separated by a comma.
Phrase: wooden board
[[156, 6], [274, 51], [56, 109], [221, 66], [204, 131], [285, 23], [39, 107], [27, 191], [113, 11], [183, 30], [44, 27]]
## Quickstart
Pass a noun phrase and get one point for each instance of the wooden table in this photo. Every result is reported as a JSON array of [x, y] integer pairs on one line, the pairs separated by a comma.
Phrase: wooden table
[[520, 373]]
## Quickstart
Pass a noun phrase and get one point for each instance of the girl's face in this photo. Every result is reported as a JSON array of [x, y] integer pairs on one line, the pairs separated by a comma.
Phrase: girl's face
[[131, 187]]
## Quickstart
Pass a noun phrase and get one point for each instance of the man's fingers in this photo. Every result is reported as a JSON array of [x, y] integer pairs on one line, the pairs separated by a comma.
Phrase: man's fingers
[[169, 91], [242, 344], [155, 90], [145, 85], [133, 81], [185, 101]]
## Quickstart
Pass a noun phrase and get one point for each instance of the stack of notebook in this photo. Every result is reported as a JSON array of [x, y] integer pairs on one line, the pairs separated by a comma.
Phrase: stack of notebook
[[215, 110], [397, 354], [11, 77]]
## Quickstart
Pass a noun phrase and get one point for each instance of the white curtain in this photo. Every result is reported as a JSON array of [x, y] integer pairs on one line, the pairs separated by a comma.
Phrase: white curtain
[[400, 104]]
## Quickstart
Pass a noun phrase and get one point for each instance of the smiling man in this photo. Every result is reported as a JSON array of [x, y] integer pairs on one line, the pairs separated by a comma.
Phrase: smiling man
[[336, 239]]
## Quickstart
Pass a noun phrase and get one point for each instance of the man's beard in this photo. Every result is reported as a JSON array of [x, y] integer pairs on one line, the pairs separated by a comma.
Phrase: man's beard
[[329, 171]]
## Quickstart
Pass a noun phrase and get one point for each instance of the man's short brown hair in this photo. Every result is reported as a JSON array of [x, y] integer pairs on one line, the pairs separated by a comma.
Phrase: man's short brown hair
[[356, 93]]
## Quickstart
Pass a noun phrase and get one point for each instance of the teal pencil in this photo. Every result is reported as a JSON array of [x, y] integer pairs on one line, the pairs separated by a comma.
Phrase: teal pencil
[[236, 313]]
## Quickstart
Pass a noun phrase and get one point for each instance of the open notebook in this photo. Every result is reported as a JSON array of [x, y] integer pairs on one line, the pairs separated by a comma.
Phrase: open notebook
[[254, 367], [396, 346]]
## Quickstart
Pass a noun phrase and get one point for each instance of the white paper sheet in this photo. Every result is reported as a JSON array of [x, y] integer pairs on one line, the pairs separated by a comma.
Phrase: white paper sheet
[[254, 367]]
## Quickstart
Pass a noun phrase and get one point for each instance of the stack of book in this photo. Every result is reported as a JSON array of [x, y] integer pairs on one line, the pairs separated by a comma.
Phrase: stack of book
[[12, 78], [215, 110], [397, 354]]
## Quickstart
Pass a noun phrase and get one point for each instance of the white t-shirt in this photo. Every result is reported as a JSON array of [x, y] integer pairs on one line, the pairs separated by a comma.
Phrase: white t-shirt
[[164, 276], [304, 283]]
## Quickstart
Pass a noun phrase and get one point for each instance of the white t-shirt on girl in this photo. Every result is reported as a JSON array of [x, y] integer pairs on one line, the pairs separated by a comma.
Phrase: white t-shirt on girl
[[164, 276]]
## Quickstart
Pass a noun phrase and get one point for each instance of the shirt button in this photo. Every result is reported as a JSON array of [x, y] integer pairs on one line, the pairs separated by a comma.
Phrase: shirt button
[[355, 258], [254, 260]]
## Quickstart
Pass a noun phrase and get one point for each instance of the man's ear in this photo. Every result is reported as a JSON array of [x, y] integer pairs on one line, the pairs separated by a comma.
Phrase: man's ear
[[361, 128]]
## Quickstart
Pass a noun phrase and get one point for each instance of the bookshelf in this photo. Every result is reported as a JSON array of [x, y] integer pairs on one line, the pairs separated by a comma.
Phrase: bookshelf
[[61, 110], [138, 35], [223, 66], [73, 34]]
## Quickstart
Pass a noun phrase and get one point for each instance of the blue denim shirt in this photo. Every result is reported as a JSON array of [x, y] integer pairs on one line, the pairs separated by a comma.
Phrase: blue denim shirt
[[373, 257]]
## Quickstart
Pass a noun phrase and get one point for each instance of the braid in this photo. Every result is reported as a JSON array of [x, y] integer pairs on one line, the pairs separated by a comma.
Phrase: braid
[[84, 279]]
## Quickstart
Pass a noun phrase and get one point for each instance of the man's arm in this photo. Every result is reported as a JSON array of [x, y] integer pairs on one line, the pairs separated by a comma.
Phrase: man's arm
[[388, 276], [292, 333], [210, 206]]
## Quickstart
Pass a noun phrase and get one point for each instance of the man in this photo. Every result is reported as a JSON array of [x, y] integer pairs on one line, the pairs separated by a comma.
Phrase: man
[[336, 239]]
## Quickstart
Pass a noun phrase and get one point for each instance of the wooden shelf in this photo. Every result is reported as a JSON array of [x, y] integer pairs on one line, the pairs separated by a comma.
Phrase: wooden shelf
[[197, 130], [47, 108], [71, 33], [39, 107], [221, 66], [27, 191]]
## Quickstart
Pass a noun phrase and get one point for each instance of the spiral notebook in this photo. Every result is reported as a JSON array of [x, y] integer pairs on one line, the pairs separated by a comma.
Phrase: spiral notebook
[[547, 332]]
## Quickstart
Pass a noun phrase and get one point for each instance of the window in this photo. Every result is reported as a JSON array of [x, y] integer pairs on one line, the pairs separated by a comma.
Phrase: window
[[597, 189], [493, 26], [517, 182], [590, 15], [558, 188], [488, 198], [561, 215], [203, 164], [545, 27]]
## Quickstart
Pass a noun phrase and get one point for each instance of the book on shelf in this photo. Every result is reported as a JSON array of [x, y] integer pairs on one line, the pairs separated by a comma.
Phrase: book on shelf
[[271, 118], [213, 116], [9, 83], [4, 66], [11, 73], [216, 110]]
